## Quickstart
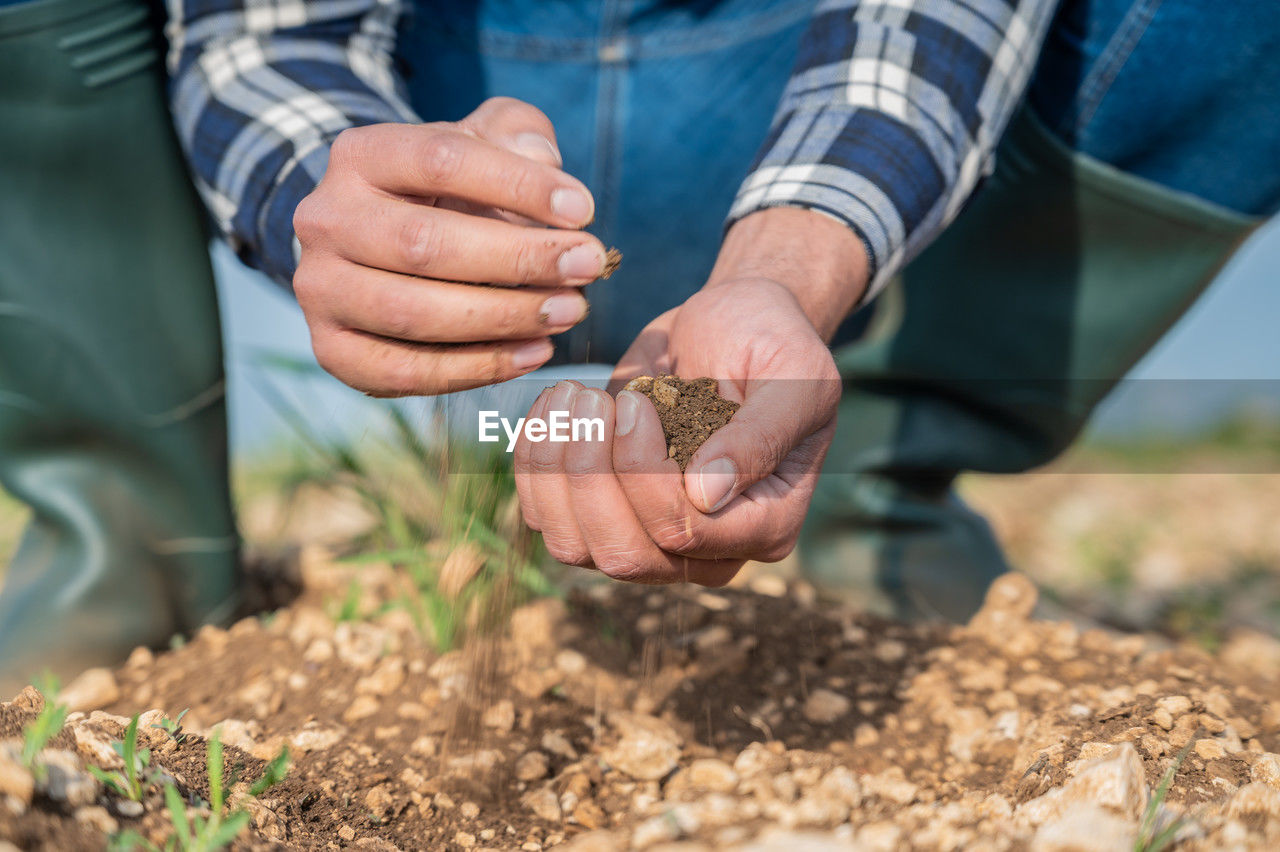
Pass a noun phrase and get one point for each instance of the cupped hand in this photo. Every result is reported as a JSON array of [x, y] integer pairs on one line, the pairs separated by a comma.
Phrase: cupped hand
[[622, 506], [410, 224]]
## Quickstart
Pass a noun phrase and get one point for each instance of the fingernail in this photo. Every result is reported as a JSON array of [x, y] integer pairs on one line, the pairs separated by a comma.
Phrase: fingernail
[[588, 404], [563, 310], [535, 146], [715, 481], [571, 204], [584, 261], [627, 411], [531, 354]]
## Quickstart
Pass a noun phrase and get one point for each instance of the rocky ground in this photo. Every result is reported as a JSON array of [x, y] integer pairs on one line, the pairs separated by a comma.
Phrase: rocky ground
[[682, 719]]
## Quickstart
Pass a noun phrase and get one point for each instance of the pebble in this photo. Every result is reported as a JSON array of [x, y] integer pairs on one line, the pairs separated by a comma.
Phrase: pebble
[[644, 756], [544, 803], [383, 680], [64, 780], [96, 816], [500, 716], [15, 779], [360, 708], [532, 766], [347, 833], [1266, 770], [92, 690], [570, 662], [128, 808], [559, 745], [711, 774], [1085, 827], [1255, 798], [823, 706], [469, 810], [1210, 749], [313, 737]]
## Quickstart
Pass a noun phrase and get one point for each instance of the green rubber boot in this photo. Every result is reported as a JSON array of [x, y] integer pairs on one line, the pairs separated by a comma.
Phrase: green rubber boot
[[989, 355], [112, 416]]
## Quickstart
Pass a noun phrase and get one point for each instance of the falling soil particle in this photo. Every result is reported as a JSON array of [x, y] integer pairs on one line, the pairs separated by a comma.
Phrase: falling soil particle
[[612, 260], [690, 411]]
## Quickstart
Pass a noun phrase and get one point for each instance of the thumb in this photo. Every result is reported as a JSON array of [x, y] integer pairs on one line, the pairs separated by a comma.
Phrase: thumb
[[519, 127], [776, 416]]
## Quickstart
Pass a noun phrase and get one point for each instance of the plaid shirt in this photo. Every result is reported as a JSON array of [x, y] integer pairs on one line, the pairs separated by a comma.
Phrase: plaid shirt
[[890, 117]]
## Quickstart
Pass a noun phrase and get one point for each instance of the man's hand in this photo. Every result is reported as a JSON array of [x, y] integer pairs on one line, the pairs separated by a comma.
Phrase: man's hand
[[410, 219], [621, 505]]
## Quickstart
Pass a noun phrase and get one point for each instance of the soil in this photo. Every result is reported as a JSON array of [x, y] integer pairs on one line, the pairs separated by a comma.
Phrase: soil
[[612, 260], [626, 717], [690, 411]]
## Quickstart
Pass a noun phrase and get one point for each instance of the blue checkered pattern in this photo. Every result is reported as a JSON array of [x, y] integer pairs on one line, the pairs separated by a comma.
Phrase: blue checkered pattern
[[893, 114], [887, 124]]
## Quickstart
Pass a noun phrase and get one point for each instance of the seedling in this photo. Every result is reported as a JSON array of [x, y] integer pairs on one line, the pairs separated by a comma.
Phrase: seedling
[[37, 733], [1152, 838], [273, 774], [173, 727], [133, 779]]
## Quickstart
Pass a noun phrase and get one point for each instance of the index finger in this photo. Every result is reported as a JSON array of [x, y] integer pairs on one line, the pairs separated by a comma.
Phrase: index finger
[[428, 161]]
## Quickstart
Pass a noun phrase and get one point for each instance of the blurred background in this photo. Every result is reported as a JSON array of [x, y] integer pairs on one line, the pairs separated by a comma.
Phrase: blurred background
[[1164, 517]]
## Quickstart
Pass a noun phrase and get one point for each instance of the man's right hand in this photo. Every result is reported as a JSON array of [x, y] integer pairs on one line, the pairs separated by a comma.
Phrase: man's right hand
[[409, 219]]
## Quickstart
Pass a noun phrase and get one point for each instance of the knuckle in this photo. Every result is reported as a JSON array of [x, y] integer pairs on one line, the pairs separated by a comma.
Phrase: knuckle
[[529, 186], [442, 159], [527, 263], [677, 535], [625, 565], [347, 145], [310, 218], [420, 244], [565, 551]]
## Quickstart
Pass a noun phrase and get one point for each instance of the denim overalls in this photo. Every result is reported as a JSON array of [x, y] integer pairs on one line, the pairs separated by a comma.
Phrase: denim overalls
[[1151, 144]]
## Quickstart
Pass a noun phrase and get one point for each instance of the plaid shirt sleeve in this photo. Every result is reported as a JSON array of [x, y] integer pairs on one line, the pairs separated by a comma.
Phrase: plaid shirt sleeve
[[893, 114], [260, 88]]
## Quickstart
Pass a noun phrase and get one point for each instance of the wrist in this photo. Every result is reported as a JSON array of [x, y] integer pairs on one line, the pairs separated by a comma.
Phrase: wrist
[[820, 260]]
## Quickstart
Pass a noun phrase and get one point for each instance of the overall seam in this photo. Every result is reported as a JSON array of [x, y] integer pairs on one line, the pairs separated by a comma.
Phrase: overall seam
[[1117, 52]]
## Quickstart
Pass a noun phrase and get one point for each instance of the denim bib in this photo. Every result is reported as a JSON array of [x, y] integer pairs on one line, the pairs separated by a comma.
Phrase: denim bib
[[659, 107]]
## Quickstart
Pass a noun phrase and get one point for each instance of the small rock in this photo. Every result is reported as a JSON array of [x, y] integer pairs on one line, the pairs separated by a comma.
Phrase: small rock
[[1085, 827], [644, 756], [570, 662], [559, 745], [96, 816], [64, 780], [1255, 798], [361, 707], [544, 803], [347, 833], [92, 690], [823, 706], [1116, 781], [380, 801], [460, 567], [469, 810], [15, 779], [711, 774], [128, 808], [1266, 770], [464, 839], [880, 836], [589, 815], [890, 787], [1210, 749], [424, 746], [532, 766], [655, 830], [758, 759], [500, 716], [1175, 705], [313, 737], [383, 680]]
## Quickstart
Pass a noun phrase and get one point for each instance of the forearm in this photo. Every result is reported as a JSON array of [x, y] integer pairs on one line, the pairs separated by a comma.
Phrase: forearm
[[257, 108], [892, 117], [820, 260]]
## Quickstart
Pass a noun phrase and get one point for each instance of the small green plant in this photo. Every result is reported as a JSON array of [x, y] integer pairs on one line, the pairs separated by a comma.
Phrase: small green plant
[[193, 832], [132, 780], [273, 774], [1153, 837], [44, 727], [173, 727]]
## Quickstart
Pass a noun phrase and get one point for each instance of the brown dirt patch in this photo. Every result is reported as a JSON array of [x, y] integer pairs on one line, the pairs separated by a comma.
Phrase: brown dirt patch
[[690, 411]]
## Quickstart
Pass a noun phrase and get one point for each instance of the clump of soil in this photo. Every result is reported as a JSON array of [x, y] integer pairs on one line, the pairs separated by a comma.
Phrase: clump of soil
[[612, 260], [690, 411]]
